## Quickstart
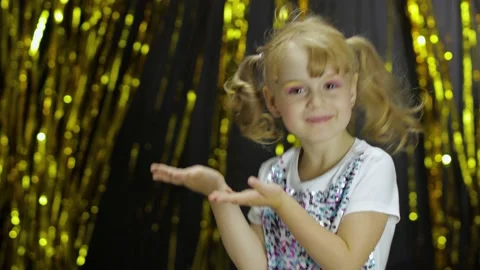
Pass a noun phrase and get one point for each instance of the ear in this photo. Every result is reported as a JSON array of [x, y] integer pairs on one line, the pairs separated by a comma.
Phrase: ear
[[353, 89], [270, 101]]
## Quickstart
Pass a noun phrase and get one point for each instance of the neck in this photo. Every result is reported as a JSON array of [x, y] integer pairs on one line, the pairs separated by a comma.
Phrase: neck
[[317, 158]]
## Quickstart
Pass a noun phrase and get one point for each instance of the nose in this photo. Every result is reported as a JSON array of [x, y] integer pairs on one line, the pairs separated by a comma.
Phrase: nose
[[315, 99]]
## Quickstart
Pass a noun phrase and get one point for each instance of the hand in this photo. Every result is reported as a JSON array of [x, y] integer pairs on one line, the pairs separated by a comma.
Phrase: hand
[[197, 178], [261, 194]]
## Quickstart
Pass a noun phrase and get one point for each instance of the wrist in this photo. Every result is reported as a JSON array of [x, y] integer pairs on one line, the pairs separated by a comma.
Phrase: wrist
[[222, 187], [219, 185], [282, 202]]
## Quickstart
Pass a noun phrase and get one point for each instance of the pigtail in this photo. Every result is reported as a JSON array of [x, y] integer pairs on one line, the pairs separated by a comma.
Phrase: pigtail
[[390, 118], [245, 100]]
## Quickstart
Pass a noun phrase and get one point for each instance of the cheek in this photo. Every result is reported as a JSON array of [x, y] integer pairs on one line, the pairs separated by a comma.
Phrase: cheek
[[345, 100], [289, 108], [346, 107]]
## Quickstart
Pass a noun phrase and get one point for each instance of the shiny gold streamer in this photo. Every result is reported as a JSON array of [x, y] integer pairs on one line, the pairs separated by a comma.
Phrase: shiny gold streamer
[[235, 26], [63, 101], [234, 31], [441, 116], [174, 122], [476, 85], [469, 45], [175, 218], [410, 151]]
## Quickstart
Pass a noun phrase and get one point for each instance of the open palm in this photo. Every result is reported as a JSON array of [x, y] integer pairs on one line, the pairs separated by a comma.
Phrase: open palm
[[260, 194], [197, 178]]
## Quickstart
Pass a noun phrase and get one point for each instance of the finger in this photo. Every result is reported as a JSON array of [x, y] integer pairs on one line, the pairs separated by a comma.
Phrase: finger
[[258, 185], [253, 181], [215, 193], [161, 172], [213, 196], [156, 167], [168, 174], [265, 189], [247, 197], [153, 167]]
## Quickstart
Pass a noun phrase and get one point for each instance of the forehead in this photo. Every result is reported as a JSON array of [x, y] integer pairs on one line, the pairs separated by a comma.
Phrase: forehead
[[297, 62], [293, 62]]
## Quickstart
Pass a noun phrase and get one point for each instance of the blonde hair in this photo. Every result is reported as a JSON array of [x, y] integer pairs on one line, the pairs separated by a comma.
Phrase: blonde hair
[[389, 117]]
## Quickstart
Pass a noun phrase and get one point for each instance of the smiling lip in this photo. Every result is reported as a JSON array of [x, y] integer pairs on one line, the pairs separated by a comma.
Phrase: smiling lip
[[319, 119]]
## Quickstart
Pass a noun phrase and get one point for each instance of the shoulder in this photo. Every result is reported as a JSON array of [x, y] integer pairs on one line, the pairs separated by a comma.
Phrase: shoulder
[[373, 157], [374, 187], [376, 171]]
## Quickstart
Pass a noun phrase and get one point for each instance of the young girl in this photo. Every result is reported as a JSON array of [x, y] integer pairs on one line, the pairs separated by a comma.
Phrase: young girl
[[333, 203]]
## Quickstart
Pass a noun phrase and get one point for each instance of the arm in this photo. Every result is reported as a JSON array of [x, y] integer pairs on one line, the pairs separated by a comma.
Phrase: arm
[[372, 201], [241, 240], [357, 236], [259, 232]]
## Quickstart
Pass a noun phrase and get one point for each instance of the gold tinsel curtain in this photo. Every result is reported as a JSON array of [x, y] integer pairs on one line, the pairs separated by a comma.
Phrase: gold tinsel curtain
[[68, 70], [452, 127]]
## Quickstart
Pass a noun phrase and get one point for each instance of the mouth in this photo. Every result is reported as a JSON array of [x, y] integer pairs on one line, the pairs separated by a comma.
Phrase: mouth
[[319, 119]]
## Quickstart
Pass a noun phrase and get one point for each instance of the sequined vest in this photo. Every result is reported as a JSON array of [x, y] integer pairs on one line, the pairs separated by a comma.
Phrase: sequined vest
[[327, 207]]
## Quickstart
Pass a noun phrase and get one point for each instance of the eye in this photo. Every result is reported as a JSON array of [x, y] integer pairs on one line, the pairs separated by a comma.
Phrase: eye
[[331, 85], [295, 90]]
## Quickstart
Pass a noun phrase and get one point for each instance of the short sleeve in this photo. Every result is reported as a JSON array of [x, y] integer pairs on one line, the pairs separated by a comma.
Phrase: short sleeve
[[376, 189], [255, 213]]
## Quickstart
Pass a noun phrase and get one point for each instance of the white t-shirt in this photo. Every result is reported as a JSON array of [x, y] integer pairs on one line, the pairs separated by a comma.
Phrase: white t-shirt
[[374, 188]]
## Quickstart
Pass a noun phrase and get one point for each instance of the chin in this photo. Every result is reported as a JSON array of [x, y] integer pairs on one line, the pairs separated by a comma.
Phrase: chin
[[315, 133], [319, 137]]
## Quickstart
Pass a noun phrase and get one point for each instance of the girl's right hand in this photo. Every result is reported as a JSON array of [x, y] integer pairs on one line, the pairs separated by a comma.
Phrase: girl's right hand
[[197, 178]]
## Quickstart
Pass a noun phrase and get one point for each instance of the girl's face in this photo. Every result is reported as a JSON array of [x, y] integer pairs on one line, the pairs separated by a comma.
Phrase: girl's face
[[314, 109]]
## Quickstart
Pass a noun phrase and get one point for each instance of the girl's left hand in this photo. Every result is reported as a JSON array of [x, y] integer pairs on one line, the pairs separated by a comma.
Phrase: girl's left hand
[[261, 194]]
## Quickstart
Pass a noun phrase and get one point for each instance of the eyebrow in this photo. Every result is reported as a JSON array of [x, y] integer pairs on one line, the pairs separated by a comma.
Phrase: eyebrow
[[294, 81], [290, 82]]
